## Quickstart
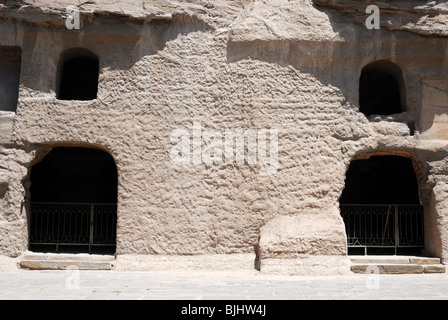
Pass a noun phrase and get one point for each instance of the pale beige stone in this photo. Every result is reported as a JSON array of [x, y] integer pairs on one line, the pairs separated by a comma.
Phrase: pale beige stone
[[388, 268], [6, 122], [424, 260], [65, 265], [434, 116], [434, 268], [292, 236], [8, 264], [427, 18], [205, 262], [307, 265], [292, 66]]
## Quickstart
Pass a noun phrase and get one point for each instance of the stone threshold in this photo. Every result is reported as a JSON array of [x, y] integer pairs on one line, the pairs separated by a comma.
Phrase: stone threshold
[[137, 262], [82, 261], [396, 265], [63, 261]]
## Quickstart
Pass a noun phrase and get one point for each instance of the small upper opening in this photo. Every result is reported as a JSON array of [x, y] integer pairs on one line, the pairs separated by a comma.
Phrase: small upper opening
[[10, 63], [381, 89], [79, 70]]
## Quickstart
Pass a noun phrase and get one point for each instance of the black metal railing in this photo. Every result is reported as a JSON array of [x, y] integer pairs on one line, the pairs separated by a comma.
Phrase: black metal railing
[[383, 226], [86, 225]]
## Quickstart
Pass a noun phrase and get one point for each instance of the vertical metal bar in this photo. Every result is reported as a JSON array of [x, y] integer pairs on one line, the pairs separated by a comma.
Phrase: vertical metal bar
[[47, 229], [76, 232], [92, 211], [41, 224], [67, 225], [397, 231], [385, 225], [405, 227], [377, 236], [101, 223]]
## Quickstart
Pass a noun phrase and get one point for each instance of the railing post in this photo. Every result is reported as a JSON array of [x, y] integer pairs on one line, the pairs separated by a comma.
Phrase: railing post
[[92, 212], [397, 231]]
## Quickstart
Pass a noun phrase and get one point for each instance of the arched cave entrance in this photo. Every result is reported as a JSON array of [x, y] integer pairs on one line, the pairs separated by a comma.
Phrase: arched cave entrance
[[74, 202], [381, 208]]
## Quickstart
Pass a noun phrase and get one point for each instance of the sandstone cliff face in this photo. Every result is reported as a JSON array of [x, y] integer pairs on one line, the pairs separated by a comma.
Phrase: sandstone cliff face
[[292, 66], [421, 17]]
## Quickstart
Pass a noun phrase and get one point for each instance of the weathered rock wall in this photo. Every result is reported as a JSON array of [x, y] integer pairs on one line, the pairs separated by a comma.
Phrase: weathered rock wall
[[227, 65]]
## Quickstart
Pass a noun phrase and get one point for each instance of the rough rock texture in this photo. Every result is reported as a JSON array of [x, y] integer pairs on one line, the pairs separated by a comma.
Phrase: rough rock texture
[[292, 236], [8, 264], [422, 17], [292, 66], [222, 262], [307, 265], [53, 13], [303, 244], [13, 218], [273, 20]]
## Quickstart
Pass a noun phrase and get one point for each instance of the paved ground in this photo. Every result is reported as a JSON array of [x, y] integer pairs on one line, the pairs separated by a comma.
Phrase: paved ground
[[75, 284]]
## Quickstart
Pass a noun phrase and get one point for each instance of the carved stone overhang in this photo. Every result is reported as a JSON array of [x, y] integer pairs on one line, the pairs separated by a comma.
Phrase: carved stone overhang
[[422, 17]]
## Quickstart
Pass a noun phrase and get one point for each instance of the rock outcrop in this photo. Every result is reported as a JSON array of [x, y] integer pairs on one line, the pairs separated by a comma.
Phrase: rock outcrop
[[290, 66]]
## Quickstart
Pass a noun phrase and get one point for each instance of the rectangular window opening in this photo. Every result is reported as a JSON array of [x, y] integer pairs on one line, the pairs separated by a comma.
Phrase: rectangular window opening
[[10, 65]]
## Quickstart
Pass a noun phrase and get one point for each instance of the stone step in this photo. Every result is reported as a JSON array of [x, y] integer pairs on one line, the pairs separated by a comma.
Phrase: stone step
[[65, 264], [67, 256], [60, 261], [434, 268], [394, 260], [397, 268], [424, 261], [396, 265]]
